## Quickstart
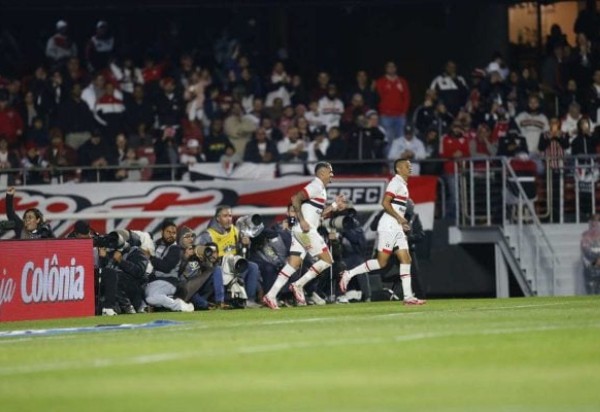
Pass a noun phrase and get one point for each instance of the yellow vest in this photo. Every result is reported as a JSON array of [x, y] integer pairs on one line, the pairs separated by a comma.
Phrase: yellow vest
[[227, 242]]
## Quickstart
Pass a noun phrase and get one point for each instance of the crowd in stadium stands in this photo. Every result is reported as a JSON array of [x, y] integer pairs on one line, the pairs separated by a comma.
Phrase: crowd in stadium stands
[[90, 108]]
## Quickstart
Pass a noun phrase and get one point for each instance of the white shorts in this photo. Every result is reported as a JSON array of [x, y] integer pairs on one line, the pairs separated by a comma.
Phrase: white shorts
[[388, 240], [311, 242]]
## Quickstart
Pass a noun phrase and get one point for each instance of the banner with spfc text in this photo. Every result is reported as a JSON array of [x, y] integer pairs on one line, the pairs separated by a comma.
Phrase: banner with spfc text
[[44, 279]]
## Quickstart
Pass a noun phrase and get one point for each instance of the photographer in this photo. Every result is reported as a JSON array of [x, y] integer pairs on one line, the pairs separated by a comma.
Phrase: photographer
[[32, 226], [199, 276], [231, 246], [164, 277], [123, 263]]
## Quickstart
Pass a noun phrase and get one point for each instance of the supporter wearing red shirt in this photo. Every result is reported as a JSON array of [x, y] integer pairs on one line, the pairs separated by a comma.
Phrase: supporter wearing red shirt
[[452, 146], [394, 101]]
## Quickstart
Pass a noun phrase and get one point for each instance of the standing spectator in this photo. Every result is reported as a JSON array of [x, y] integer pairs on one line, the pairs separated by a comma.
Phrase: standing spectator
[[34, 166], [59, 155], [532, 123], [60, 46], [365, 88], [278, 85], [94, 91], [356, 108], [451, 88], [553, 145], [368, 141], [338, 146], [126, 75], [408, 147], [110, 111], [583, 61], [94, 155], [424, 115], [75, 119], [100, 47], [394, 101], [585, 144], [430, 165], [315, 118], [554, 72], [323, 79], [331, 107], [216, 141], [293, 154], [594, 98], [138, 110], [11, 123], [238, 129], [73, 74], [590, 251], [169, 106], [588, 21], [569, 122], [569, 96], [167, 154], [298, 93], [261, 149], [454, 146]]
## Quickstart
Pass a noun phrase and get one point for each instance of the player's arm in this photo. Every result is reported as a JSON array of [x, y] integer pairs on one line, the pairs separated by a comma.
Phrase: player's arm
[[297, 201], [338, 204], [387, 206]]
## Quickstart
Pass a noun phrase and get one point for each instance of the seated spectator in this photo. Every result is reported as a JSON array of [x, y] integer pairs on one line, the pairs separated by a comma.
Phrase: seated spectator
[[298, 93], [569, 96], [261, 149], [126, 74], [317, 148], [167, 156], [229, 160], [408, 147], [356, 108], [368, 141], [569, 122], [32, 226], [238, 129], [584, 145], [365, 87], [216, 141], [257, 111], [321, 89], [170, 107], [133, 167], [138, 110], [110, 111], [315, 118], [331, 107], [278, 85], [75, 119], [273, 133], [338, 147], [512, 143], [287, 119], [38, 134]]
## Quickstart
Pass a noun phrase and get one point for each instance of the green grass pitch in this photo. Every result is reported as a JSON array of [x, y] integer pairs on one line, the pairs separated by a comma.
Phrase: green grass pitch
[[522, 354]]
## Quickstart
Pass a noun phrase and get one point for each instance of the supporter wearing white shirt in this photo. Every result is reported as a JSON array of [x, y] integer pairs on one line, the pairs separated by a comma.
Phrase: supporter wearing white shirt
[[331, 108], [408, 147]]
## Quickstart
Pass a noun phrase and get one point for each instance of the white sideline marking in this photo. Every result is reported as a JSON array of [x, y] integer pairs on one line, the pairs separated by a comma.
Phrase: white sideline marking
[[169, 356]]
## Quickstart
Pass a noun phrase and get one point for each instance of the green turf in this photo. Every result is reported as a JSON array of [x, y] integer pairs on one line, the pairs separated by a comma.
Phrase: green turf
[[537, 354]]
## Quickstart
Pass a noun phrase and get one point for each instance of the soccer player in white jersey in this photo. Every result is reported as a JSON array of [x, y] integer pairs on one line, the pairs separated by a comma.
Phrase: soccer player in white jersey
[[309, 204], [390, 234]]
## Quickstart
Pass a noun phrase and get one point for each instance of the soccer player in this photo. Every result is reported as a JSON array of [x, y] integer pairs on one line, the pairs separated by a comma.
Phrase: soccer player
[[390, 234], [309, 204]]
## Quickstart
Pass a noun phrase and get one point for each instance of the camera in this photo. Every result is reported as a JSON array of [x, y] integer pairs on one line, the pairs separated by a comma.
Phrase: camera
[[7, 225], [344, 220], [234, 265], [117, 240], [250, 225], [207, 253]]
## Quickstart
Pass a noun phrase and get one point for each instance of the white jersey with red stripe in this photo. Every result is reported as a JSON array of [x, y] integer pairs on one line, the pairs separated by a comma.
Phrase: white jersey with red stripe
[[397, 188], [313, 206]]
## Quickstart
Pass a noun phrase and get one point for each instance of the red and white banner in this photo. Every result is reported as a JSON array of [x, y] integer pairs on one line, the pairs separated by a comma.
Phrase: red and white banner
[[44, 279], [172, 198]]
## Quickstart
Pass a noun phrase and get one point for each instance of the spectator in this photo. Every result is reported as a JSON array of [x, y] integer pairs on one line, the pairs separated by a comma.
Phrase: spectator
[[59, 155], [331, 107], [167, 156], [594, 98], [94, 91], [356, 108], [287, 119], [316, 120], [110, 111], [238, 129], [138, 110], [169, 107], [34, 166], [553, 145], [394, 101], [590, 255], [8, 160], [257, 112], [338, 146], [192, 154], [408, 147], [298, 93], [512, 143], [278, 86], [451, 88], [74, 74], [100, 47], [585, 144], [532, 123], [126, 75], [569, 122], [432, 153], [304, 129], [216, 141], [261, 149], [588, 21], [365, 88], [569, 96], [164, 278], [229, 160], [424, 115], [11, 124], [454, 146], [37, 134], [555, 38], [554, 72], [317, 148], [583, 61], [75, 119], [322, 87], [293, 154], [94, 156], [32, 226], [133, 165], [60, 46]]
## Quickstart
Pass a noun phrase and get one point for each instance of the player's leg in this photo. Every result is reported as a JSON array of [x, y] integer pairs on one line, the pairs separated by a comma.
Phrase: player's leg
[[318, 248], [405, 261], [385, 242], [294, 262]]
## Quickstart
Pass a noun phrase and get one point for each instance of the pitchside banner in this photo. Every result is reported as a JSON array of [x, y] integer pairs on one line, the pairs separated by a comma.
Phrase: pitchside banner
[[43, 279], [173, 197]]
